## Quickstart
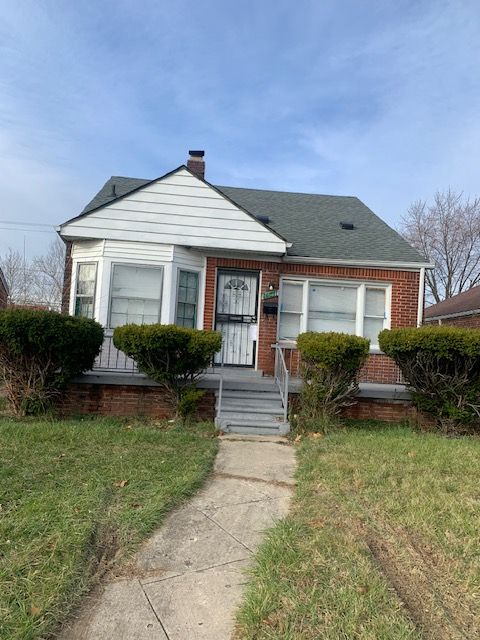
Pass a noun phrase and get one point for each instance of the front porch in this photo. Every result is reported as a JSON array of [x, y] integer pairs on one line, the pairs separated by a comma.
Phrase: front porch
[[239, 399]]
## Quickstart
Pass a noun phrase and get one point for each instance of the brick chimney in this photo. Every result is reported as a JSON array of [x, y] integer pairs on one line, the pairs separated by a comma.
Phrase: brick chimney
[[196, 163]]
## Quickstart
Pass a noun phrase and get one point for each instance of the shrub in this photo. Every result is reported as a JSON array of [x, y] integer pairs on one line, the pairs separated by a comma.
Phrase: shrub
[[175, 357], [40, 351], [329, 367], [442, 368]]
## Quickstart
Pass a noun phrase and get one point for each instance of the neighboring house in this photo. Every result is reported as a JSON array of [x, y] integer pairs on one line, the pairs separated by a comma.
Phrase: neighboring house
[[3, 291], [462, 310], [259, 266]]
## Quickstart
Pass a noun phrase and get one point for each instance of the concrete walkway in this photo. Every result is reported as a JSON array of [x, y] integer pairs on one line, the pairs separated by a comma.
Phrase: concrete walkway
[[188, 579]]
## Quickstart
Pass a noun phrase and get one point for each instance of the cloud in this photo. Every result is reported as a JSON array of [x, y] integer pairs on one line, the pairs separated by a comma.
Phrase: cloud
[[374, 99]]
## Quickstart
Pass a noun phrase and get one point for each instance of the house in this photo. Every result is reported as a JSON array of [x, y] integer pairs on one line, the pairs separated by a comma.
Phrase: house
[[462, 310], [259, 266], [3, 291]]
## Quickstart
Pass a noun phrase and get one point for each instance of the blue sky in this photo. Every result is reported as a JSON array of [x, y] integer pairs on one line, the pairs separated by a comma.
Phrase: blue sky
[[375, 99]]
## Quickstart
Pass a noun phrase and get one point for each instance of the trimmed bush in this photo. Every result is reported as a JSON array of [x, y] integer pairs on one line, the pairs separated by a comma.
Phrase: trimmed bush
[[40, 352], [330, 363], [442, 368], [175, 357]]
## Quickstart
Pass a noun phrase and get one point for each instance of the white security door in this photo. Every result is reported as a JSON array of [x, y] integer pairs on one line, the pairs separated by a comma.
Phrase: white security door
[[236, 316]]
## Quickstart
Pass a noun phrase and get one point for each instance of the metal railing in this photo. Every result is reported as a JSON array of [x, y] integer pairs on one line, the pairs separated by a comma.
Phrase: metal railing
[[220, 387], [282, 379], [111, 359]]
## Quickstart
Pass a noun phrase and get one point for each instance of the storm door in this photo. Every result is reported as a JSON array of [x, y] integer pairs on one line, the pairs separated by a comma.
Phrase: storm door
[[236, 316]]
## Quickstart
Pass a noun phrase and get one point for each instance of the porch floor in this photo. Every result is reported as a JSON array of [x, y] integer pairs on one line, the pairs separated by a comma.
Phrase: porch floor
[[242, 377]]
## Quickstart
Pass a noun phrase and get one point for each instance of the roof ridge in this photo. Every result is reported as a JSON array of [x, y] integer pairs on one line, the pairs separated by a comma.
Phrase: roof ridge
[[295, 193]]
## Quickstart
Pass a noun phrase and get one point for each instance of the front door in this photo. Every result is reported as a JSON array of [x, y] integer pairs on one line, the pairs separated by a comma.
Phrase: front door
[[236, 316]]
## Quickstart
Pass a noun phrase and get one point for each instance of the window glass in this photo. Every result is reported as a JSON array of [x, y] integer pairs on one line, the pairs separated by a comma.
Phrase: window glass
[[85, 293], [136, 295], [187, 299], [291, 310], [332, 308], [375, 312]]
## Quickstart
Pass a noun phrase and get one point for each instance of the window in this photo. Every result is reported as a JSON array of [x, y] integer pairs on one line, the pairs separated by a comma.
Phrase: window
[[136, 295], [291, 310], [187, 299], [332, 308], [354, 308], [85, 290]]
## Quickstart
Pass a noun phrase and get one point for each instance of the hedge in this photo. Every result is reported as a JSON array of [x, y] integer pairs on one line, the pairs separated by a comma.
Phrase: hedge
[[40, 351], [442, 368], [175, 357], [330, 363]]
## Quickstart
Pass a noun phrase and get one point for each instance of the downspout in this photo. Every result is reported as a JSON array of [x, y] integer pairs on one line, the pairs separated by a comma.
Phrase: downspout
[[421, 294]]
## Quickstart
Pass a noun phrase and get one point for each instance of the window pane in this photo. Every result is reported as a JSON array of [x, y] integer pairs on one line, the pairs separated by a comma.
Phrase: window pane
[[375, 302], [187, 299], [86, 279], [332, 308], [292, 296], [136, 282], [84, 307], [136, 295], [289, 326], [371, 329]]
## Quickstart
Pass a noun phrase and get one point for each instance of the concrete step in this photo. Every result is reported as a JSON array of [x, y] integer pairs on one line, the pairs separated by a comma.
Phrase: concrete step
[[250, 405], [270, 416], [247, 395], [259, 385], [253, 427]]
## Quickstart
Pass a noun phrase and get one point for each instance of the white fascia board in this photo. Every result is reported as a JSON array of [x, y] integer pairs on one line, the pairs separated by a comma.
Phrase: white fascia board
[[373, 264], [460, 314]]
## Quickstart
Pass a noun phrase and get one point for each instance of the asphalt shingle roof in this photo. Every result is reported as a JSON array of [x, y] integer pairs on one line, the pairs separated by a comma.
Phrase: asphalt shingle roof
[[461, 303], [310, 222]]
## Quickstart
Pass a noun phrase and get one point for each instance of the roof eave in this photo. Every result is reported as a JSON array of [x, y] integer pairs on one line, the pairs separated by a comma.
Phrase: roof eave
[[347, 262]]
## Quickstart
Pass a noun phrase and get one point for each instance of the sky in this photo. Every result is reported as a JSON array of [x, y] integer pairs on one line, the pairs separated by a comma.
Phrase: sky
[[352, 97]]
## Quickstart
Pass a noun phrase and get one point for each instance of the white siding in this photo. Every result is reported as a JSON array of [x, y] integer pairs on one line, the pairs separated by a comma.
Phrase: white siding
[[179, 209]]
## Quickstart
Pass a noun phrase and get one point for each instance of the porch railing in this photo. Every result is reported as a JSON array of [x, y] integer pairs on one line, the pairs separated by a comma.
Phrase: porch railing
[[282, 379], [220, 388], [111, 359]]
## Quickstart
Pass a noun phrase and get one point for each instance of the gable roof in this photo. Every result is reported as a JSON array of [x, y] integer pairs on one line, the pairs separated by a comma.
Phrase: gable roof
[[310, 222], [465, 303]]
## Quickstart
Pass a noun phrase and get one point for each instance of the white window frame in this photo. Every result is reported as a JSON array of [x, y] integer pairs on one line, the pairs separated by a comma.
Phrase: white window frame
[[75, 296], [360, 285], [198, 273], [137, 266]]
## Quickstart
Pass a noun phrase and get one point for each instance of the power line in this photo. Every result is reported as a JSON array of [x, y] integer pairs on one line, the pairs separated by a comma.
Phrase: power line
[[28, 224]]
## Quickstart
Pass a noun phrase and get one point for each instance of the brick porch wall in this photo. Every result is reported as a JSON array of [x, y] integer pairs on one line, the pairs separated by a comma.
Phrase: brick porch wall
[[379, 368], [3, 296], [67, 276], [124, 400]]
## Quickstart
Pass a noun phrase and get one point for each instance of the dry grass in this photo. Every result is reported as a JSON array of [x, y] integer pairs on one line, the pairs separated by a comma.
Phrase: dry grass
[[382, 542]]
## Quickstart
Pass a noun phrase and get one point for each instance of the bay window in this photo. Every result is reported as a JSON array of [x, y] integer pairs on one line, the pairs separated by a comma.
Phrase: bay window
[[135, 295], [85, 289], [355, 308]]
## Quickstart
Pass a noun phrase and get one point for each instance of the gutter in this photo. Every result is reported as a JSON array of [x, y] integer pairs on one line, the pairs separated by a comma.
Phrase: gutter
[[460, 314], [415, 266]]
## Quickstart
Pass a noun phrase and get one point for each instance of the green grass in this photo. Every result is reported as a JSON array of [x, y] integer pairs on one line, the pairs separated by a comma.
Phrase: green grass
[[65, 516], [382, 542]]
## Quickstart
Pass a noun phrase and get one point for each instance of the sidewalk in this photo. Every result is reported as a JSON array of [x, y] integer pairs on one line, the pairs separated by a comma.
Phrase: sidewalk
[[188, 578]]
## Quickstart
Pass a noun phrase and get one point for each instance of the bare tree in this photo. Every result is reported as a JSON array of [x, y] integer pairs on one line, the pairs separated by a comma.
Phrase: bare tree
[[47, 275], [448, 233], [38, 281], [18, 276]]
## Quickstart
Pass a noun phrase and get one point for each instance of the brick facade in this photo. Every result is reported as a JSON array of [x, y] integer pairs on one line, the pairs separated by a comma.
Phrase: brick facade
[[67, 276], [379, 368], [124, 400], [3, 295]]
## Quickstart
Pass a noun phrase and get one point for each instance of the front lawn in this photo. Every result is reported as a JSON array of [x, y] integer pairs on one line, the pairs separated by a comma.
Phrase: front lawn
[[76, 495], [382, 542]]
